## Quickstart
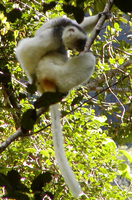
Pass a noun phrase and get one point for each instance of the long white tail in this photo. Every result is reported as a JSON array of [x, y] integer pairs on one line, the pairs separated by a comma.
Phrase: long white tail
[[60, 154]]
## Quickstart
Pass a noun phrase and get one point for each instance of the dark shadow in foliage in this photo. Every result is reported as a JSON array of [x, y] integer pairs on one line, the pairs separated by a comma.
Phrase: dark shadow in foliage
[[67, 1], [12, 15], [37, 186], [124, 5], [31, 88], [67, 9], [22, 96], [29, 117], [14, 178], [16, 196], [76, 11], [77, 100], [28, 120], [49, 6], [80, 2], [40, 181], [13, 186], [15, 189], [2, 8], [5, 79], [78, 14], [39, 196], [49, 194], [49, 98]]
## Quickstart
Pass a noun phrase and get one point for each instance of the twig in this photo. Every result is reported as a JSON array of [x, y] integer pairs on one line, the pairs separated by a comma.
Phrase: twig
[[110, 73], [119, 90], [119, 187], [129, 54], [97, 94], [123, 112]]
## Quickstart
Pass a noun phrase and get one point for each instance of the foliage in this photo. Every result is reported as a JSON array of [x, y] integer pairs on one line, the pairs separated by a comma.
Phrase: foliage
[[93, 122]]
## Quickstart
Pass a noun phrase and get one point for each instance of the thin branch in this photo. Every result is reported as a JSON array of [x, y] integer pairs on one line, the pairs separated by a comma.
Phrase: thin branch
[[27, 6], [22, 84], [123, 112], [93, 84], [118, 90], [120, 187], [129, 54], [96, 95]]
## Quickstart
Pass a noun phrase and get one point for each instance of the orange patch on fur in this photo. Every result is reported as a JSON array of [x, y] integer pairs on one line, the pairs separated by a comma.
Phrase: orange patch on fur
[[48, 86]]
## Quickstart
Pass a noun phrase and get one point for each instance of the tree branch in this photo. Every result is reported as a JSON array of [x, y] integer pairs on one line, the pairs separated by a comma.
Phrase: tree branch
[[99, 25], [18, 133]]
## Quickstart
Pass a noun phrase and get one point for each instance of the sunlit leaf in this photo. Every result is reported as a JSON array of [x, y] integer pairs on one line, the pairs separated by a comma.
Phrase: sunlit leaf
[[127, 155]]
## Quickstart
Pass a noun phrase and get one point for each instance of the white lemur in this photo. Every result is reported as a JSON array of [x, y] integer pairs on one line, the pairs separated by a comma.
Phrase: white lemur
[[44, 59]]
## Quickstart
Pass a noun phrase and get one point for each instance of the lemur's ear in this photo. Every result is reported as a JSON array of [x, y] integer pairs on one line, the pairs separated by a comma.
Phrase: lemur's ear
[[71, 30]]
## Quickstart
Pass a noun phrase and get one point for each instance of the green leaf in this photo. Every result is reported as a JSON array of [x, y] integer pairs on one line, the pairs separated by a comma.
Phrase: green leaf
[[127, 155], [122, 167], [77, 100], [122, 19], [110, 143], [30, 150], [45, 153], [124, 171], [116, 25]]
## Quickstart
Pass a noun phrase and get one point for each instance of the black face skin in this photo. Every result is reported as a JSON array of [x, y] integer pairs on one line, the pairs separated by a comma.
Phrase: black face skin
[[80, 44]]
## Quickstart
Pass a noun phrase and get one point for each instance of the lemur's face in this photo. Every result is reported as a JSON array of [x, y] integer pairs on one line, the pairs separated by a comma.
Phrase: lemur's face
[[74, 39], [80, 44]]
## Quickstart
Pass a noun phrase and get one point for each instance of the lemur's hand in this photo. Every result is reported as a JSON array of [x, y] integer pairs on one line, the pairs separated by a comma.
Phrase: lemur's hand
[[107, 14]]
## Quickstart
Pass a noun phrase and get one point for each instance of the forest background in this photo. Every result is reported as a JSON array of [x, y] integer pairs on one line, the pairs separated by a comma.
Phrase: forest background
[[96, 117]]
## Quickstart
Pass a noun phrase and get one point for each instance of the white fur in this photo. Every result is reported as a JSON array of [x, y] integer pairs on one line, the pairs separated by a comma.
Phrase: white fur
[[65, 75], [89, 23], [44, 56], [30, 51], [60, 154]]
